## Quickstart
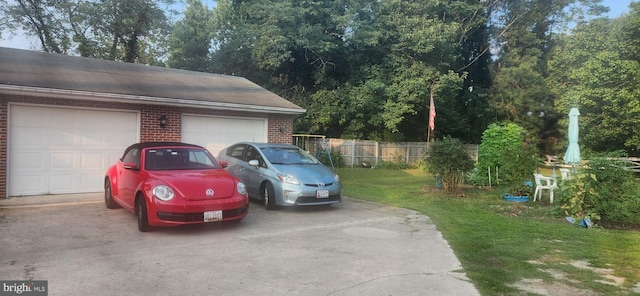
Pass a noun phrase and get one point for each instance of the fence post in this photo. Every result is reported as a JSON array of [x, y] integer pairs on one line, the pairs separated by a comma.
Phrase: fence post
[[407, 159], [353, 152], [377, 152]]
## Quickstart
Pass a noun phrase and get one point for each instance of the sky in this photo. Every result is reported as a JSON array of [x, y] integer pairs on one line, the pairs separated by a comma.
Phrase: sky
[[617, 8]]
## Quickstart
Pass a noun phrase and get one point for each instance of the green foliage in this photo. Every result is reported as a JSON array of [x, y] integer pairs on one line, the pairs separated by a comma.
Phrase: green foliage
[[580, 196], [449, 160], [363, 69], [398, 164], [594, 70], [504, 149], [521, 189], [603, 191], [336, 158], [191, 39]]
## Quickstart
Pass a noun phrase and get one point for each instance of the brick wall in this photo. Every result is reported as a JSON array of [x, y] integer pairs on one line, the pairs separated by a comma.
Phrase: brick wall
[[280, 129], [150, 129]]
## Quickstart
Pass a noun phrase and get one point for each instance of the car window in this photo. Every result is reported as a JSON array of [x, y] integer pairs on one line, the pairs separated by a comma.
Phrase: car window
[[253, 153], [285, 155], [236, 151], [132, 156], [179, 159]]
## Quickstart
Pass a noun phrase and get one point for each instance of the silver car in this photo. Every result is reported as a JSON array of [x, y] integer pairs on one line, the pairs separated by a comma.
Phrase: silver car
[[282, 174]]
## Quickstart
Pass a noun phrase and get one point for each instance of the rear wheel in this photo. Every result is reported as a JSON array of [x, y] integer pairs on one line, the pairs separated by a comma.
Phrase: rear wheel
[[108, 196], [269, 195], [141, 213]]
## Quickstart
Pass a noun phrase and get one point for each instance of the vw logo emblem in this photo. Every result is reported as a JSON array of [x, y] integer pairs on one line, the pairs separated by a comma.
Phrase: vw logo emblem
[[321, 184], [209, 192]]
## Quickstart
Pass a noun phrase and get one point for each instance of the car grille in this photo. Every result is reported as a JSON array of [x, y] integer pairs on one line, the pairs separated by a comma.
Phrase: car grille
[[193, 217], [316, 185], [313, 200]]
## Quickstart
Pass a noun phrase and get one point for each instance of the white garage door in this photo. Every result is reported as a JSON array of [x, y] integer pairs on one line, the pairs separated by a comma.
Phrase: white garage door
[[216, 133], [54, 150]]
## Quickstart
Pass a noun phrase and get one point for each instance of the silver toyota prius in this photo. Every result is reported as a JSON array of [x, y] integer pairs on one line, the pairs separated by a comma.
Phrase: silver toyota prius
[[282, 174]]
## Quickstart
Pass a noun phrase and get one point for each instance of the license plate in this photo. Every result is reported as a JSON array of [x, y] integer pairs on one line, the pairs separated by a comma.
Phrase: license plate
[[322, 194], [212, 216]]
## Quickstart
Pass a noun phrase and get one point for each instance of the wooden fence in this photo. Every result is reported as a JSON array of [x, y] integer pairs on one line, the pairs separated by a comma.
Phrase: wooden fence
[[356, 152], [628, 163]]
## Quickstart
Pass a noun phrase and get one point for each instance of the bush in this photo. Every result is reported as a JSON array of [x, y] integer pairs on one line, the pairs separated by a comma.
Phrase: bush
[[603, 191], [449, 160], [504, 150], [398, 163], [336, 157]]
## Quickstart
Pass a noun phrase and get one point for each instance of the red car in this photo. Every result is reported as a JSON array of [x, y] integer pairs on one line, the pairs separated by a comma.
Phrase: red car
[[167, 184]]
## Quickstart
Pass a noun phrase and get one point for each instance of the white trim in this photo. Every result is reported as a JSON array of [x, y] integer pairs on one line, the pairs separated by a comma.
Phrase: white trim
[[121, 98]]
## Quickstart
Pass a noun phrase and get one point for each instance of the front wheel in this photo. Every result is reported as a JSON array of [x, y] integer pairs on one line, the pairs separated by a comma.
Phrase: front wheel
[[142, 215], [108, 196], [269, 195]]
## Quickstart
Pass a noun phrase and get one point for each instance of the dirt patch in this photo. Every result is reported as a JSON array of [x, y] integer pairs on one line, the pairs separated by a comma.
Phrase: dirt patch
[[538, 286], [566, 286]]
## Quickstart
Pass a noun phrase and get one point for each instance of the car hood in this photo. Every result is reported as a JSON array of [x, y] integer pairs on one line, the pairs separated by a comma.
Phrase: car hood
[[194, 185], [311, 174]]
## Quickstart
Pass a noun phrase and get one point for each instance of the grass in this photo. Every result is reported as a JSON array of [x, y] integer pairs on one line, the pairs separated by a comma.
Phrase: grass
[[500, 243]]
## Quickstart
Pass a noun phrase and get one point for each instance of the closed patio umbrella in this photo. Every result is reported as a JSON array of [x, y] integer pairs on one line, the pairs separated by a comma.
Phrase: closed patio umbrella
[[572, 156]]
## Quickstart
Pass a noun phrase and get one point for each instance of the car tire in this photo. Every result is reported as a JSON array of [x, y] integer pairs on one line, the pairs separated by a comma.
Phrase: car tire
[[108, 196], [268, 196], [142, 215]]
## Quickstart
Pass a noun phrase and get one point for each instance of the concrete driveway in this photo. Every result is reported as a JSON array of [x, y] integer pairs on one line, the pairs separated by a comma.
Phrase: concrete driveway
[[353, 248]]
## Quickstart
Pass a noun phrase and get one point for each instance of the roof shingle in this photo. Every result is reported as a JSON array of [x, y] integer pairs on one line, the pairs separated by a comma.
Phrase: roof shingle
[[134, 82]]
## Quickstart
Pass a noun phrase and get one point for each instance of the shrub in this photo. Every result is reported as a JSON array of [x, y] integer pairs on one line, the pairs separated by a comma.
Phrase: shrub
[[449, 160], [603, 191], [504, 150], [398, 163], [336, 158]]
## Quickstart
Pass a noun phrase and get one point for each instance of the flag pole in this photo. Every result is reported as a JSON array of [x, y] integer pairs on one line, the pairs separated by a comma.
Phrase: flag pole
[[432, 115]]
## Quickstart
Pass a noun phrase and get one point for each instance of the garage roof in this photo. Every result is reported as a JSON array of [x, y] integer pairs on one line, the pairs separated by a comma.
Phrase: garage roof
[[54, 75]]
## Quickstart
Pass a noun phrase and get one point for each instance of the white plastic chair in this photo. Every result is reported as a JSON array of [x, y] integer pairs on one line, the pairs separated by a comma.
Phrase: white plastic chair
[[543, 183]]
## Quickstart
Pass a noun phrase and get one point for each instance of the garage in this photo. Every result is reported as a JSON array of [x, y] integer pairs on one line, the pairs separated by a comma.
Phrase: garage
[[55, 150], [65, 119], [216, 133]]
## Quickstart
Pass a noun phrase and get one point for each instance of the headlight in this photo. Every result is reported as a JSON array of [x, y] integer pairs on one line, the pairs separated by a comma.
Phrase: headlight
[[288, 179], [241, 188], [163, 192], [337, 178]]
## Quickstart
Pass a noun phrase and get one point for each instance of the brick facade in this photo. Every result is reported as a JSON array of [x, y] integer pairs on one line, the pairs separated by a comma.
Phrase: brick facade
[[280, 126]]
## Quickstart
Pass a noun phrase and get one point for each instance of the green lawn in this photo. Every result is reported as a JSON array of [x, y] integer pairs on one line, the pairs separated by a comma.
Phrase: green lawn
[[501, 243]]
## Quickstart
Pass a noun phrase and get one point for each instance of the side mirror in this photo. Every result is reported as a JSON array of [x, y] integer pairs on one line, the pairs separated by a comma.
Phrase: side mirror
[[254, 162], [223, 163], [131, 166]]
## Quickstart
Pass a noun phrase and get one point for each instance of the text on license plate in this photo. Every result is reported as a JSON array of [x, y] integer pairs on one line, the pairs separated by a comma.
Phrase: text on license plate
[[322, 194], [212, 216]]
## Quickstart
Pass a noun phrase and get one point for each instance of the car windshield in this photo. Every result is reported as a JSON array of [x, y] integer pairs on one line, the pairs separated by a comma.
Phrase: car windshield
[[285, 155], [184, 158]]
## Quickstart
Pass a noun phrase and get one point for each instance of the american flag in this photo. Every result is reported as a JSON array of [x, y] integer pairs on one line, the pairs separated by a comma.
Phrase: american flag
[[432, 114]]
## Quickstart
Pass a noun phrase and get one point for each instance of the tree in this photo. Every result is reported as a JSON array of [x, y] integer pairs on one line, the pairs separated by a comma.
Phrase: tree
[[191, 38], [596, 70], [42, 18], [525, 34], [125, 30], [363, 69]]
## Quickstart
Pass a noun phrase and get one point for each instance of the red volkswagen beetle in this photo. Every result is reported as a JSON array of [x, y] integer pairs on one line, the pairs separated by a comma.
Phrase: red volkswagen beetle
[[167, 184]]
